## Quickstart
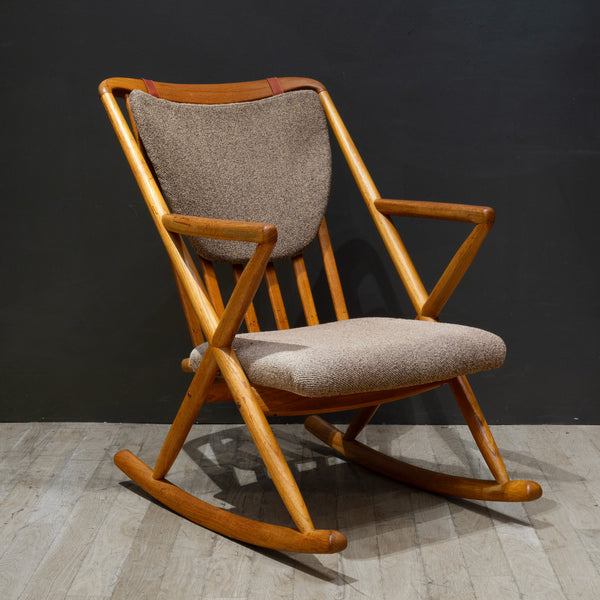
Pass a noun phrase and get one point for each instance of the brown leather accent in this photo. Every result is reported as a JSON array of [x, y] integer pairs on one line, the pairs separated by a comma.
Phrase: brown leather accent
[[219, 93], [275, 85], [151, 87]]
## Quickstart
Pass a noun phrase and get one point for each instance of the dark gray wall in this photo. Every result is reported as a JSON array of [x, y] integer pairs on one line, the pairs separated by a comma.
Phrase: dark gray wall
[[482, 102]]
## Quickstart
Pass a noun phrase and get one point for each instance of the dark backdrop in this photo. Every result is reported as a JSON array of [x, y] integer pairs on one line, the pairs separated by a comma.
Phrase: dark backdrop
[[483, 102]]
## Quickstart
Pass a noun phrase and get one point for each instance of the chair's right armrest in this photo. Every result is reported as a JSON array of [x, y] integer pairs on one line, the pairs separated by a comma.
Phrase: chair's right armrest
[[436, 210]]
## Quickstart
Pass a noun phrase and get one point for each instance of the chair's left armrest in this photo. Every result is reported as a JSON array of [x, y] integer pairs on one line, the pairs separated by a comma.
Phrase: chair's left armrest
[[466, 213], [241, 231], [263, 234]]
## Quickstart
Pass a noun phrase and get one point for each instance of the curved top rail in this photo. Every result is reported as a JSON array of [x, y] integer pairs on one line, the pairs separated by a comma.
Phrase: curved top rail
[[217, 93]]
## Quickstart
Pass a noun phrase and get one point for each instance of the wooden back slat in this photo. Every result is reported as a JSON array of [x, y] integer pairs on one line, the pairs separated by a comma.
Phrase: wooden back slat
[[274, 290], [276, 298], [331, 271], [250, 317], [212, 286], [308, 303]]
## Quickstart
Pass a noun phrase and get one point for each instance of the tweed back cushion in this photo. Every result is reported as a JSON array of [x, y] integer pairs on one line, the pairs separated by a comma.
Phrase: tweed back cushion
[[362, 355], [267, 161]]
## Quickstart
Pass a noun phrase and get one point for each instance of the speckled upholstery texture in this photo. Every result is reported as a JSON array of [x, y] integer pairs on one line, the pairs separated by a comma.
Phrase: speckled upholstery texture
[[360, 355], [267, 161]]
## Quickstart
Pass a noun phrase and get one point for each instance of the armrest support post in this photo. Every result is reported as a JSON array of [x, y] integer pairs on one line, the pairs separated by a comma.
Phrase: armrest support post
[[481, 216]]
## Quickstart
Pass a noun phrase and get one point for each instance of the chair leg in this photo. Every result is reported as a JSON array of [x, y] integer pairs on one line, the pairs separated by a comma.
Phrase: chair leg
[[479, 428], [360, 421], [305, 539], [188, 411], [260, 430]]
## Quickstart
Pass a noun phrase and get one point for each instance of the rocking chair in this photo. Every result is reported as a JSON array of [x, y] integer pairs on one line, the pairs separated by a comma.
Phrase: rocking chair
[[243, 172]]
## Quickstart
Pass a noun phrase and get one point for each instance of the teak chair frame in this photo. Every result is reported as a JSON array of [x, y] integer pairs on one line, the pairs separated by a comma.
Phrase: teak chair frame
[[209, 317]]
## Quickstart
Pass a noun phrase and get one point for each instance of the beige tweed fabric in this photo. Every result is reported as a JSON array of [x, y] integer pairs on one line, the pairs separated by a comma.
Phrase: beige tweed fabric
[[267, 161], [360, 355]]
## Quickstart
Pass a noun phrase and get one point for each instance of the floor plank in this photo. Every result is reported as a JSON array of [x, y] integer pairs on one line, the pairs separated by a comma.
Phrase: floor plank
[[31, 529], [575, 510], [523, 548], [100, 569], [401, 560], [229, 568]]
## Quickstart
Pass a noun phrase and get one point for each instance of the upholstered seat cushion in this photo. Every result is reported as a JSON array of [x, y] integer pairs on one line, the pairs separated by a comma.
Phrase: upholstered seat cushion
[[359, 355]]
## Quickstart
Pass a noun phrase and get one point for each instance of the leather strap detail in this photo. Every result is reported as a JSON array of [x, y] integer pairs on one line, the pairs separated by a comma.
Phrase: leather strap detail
[[275, 85], [151, 87]]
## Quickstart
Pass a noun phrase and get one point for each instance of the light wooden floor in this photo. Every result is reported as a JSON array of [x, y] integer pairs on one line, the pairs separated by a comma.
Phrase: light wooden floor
[[71, 526]]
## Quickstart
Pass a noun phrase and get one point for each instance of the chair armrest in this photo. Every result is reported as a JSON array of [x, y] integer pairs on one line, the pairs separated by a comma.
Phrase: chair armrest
[[430, 305], [436, 210], [221, 229], [263, 234]]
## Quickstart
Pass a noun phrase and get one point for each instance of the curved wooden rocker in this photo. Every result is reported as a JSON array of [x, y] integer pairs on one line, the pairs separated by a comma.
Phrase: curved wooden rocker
[[225, 364], [250, 531], [426, 479]]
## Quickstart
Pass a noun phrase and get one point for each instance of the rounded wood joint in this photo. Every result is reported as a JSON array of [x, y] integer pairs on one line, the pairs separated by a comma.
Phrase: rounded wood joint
[[521, 491], [290, 84], [119, 86], [269, 233], [488, 214], [337, 542], [104, 87], [421, 317]]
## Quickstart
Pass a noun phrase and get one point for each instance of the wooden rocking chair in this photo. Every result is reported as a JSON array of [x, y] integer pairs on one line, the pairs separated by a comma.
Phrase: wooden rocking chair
[[245, 171]]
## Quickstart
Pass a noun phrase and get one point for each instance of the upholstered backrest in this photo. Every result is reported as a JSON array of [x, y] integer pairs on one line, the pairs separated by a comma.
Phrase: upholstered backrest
[[267, 161]]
